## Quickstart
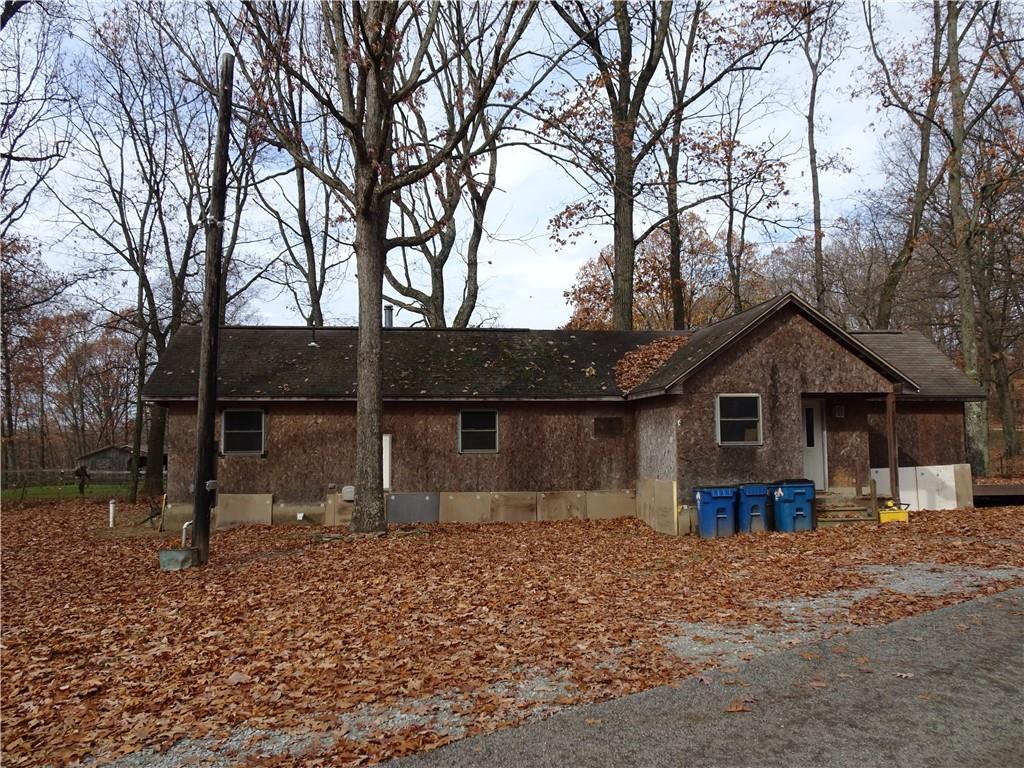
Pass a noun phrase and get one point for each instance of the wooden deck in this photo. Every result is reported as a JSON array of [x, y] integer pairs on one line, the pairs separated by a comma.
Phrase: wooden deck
[[998, 490]]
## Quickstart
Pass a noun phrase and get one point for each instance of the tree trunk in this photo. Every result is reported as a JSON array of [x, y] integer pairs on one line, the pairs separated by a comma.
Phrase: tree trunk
[[1007, 409], [10, 452], [371, 223], [675, 243], [976, 413], [140, 412], [625, 250], [812, 153]]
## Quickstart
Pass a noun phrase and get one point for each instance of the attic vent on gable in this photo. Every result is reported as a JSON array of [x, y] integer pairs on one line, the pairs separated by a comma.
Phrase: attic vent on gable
[[608, 426]]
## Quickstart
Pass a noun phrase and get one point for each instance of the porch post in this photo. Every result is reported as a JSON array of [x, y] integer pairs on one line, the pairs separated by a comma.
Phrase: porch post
[[892, 447]]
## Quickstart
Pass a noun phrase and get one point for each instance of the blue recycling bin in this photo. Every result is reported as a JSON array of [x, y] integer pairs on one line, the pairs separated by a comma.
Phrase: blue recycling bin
[[793, 502], [716, 511], [752, 508]]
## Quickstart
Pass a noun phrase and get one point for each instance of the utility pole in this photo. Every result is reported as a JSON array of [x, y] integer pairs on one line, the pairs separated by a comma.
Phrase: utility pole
[[206, 417]]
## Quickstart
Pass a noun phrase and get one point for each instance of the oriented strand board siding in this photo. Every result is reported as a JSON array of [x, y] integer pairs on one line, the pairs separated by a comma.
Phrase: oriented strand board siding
[[181, 451], [847, 438], [927, 434], [786, 358], [542, 447], [656, 440]]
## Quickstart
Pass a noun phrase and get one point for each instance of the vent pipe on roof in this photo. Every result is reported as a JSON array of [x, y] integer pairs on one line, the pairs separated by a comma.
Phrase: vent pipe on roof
[[389, 316]]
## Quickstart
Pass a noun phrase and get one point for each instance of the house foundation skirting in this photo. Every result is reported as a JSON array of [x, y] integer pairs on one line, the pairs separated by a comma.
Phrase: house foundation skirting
[[653, 501]]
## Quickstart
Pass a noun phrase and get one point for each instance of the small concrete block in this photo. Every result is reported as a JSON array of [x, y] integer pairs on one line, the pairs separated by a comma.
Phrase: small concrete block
[[561, 505], [513, 507], [338, 511], [606, 505], [178, 559], [405, 508], [465, 507], [244, 509]]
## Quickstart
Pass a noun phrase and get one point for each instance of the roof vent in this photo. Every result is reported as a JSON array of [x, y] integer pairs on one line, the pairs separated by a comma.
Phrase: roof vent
[[389, 316]]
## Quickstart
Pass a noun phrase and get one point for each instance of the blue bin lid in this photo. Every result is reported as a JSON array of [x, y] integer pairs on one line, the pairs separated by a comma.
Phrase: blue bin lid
[[754, 489], [717, 491]]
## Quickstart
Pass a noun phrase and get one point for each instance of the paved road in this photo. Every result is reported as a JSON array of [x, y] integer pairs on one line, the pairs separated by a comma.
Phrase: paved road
[[945, 689]]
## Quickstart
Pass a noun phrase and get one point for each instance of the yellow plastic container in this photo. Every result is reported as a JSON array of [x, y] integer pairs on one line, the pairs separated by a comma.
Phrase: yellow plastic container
[[893, 516]]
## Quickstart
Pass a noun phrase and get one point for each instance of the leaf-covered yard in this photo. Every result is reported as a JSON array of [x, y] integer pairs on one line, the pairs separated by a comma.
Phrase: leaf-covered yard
[[347, 643]]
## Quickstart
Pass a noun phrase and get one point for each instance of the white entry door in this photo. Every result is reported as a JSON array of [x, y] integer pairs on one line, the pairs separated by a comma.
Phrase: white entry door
[[815, 461]]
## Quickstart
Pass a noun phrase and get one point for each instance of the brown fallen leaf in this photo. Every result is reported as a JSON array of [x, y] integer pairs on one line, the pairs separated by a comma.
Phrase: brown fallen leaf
[[238, 678], [818, 684], [737, 705], [592, 721], [810, 655]]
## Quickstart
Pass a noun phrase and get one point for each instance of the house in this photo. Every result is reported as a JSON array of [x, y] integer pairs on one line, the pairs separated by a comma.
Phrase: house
[[519, 424], [109, 458]]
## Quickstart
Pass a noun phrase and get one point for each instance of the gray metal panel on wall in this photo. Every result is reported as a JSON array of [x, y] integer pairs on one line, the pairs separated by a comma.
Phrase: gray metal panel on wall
[[413, 508]]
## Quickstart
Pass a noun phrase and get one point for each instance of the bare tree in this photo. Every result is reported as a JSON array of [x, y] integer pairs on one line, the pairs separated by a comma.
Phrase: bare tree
[[452, 187], [703, 51], [595, 126], [140, 189], [35, 106], [967, 83], [752, 183], [364, 64], [898, 80], [29, 290], [822, 37]]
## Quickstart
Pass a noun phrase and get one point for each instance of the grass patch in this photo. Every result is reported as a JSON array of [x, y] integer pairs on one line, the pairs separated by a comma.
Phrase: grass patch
[[67, 491]]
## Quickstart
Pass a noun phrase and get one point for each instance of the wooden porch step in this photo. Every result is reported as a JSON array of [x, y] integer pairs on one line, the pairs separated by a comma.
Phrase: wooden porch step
[[829, 522], [844, 513]]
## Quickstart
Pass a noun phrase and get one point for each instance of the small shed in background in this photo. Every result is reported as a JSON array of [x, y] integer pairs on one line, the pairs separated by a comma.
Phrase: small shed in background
[[110, 458]]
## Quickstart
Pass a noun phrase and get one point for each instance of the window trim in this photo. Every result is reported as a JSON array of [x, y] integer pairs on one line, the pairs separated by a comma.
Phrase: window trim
[[497, 431], [718, 419], [263, 432]]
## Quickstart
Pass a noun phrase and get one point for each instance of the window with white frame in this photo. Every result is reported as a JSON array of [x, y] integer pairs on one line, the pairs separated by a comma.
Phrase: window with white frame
[[738, 419], [242, 431], [478, 431]]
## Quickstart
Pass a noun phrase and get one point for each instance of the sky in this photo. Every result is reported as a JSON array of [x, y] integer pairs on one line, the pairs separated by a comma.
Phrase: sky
[[524, 274]]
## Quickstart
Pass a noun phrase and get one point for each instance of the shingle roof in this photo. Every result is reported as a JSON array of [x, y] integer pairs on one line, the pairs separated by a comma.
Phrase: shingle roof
[[706, 342], [935, 374], [273, 362], [263, 362]]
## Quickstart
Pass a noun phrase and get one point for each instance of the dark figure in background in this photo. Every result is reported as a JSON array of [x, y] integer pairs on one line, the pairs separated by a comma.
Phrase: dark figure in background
[[82, 474]]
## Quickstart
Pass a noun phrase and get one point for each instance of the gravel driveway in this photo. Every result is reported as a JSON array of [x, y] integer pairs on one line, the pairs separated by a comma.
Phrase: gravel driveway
[[942, 689]]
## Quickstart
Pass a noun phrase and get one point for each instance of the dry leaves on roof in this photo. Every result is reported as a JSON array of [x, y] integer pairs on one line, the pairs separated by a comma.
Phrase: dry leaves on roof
[[638, 365]]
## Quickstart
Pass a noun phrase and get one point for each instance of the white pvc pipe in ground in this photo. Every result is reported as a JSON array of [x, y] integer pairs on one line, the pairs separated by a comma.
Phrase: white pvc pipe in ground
[[113, 507]]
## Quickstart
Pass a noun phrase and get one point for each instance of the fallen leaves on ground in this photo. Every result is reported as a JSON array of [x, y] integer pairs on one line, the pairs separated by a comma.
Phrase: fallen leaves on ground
[[738, 705], [103, 654]]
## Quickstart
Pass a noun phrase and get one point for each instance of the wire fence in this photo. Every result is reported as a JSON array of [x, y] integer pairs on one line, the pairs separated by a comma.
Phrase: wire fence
[[62, 483]]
